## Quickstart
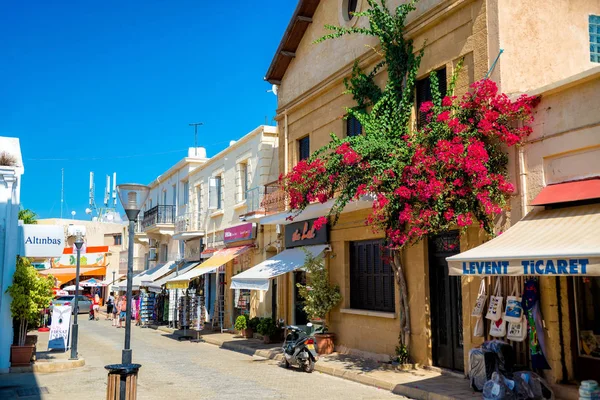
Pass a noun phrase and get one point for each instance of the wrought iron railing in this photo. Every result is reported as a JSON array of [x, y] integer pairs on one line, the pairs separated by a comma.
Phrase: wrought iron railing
[[189, 222], [159, 215], [274, 198]]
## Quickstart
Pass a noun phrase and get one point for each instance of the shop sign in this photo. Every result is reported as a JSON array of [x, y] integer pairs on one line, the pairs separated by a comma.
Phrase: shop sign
[[42, 240], [540, 267], [304, 234], [240, 232]]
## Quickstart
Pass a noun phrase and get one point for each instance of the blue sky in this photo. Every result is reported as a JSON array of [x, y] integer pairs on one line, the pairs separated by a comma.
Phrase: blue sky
[[91, 86]]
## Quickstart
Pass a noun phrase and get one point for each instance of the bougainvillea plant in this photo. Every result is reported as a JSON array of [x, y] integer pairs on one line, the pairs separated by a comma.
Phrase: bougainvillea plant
[[448, 173]]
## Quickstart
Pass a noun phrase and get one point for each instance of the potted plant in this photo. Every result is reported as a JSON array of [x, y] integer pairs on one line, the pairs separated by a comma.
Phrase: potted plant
[[241, 324], [253, 325], [268, 329], [320, 297], [30, 294]]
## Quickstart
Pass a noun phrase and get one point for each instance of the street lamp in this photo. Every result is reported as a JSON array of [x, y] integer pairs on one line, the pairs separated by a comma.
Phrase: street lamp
[[78, 244], [132, 198]]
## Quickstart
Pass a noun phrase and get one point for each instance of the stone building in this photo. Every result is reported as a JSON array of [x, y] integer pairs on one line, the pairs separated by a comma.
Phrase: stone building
[[560, 65]]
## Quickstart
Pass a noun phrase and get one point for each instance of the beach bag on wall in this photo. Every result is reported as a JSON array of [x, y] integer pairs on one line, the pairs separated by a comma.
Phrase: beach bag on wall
[[494, 312], [479, 331], [517, 331], [480, 302], [514, 308], [498, 328]]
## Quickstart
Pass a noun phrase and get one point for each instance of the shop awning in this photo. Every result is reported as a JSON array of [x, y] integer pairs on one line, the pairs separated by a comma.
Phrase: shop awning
[[259, 276], [564, 241], [157, 273], [220, 257], [157, 285], [110, 281], [66, 274], [569, 191]]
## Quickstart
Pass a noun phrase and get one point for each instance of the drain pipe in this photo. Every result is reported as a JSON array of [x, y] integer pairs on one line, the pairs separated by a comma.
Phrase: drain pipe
[[523, 180]]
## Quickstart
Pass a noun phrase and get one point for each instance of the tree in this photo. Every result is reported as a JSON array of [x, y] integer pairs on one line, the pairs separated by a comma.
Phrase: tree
[[30, 293], [28, 216], [450, 172]]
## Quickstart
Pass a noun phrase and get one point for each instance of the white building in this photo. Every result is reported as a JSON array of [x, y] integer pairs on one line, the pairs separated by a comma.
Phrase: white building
[[10, 188]]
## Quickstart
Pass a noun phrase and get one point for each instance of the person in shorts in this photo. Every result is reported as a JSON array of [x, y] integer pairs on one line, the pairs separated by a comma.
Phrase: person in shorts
[[110, 305], [96, 305], [122, 310]]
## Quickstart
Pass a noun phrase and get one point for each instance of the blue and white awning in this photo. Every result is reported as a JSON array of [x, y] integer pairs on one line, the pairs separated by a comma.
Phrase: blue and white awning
[[564, 241]]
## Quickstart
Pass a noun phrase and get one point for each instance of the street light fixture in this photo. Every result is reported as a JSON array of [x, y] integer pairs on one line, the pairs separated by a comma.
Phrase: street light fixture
[[132, 198], [74, 337]]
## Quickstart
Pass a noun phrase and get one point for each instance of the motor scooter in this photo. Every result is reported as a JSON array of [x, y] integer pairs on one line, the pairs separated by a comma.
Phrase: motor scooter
[[299, 349]]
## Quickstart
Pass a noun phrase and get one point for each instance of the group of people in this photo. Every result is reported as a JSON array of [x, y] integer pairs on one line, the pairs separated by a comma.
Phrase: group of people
[[116, 309]]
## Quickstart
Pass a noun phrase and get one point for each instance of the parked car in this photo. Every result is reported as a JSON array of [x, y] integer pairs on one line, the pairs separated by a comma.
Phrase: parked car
[[84, 303]]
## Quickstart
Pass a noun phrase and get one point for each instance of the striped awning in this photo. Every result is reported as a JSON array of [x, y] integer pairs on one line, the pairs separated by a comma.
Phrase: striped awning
[[563, 241]]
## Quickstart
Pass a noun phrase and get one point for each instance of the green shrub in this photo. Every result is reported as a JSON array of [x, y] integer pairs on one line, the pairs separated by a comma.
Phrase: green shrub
[[253, 323], [267, 327], [241, 323]]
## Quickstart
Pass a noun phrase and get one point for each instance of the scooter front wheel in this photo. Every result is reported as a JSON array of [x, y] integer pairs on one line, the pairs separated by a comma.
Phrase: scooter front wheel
[[309, 365]]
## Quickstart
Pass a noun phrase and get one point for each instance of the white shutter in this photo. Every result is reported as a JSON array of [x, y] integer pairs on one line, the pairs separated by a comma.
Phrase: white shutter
[[213, 193]]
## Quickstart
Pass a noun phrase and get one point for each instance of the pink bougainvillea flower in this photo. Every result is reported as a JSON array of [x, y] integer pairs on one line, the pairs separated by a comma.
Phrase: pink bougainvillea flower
[[320, 222]]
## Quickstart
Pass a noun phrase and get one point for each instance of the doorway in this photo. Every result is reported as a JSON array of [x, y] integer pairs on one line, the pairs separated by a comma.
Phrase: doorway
[[446, 303], [300, 317], [274, 300]]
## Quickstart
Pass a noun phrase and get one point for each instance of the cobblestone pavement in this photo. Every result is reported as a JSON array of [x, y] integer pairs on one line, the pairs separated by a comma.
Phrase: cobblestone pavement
[[181, 370]]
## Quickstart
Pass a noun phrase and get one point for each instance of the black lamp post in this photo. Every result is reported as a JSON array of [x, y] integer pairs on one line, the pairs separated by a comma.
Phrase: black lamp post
[[75, 329], [121, 376], [132, 198]]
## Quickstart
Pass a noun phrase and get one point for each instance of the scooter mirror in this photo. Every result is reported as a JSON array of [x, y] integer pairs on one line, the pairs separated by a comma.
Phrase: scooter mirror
[[309, 324]]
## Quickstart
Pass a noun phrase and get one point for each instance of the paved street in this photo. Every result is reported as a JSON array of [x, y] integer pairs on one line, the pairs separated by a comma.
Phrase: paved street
[[180, 370]]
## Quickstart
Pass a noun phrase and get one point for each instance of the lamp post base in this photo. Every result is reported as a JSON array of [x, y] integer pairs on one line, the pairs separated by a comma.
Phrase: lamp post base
[[122, 381], [74, 335]]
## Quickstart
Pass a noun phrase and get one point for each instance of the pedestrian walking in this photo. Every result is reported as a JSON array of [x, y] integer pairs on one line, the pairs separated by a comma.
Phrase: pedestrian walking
[[115, 311], [122, 310], [96, 305], [110, 302]]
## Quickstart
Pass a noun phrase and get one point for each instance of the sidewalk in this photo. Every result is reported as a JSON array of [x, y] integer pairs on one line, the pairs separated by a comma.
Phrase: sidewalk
[[417, 384], [49, 360]]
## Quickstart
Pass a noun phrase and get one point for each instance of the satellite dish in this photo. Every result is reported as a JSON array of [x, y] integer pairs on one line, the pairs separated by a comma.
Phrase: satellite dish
[[73, 213], [88, 211], [275, 89]]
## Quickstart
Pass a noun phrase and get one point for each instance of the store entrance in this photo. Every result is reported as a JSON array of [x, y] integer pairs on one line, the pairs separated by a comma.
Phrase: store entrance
[[587, 326], [300, 317], [446, 303]]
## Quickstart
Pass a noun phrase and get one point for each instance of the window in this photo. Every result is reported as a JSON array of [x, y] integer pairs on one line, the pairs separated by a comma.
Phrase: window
[[349, 9], [423, 89], [371, 277], [244, 180], [164, 198], [186, 192], [215, 193], [353, 127], [594, 38], [164, 250], [174, 195], [118, 239], [303, 148]]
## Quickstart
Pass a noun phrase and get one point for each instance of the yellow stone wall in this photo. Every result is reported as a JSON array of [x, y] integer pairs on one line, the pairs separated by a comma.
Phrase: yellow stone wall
[[311, 102]]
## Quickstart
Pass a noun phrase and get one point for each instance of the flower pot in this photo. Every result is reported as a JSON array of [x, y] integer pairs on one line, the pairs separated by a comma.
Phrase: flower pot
[[325, 342], [247, 333], [20, 356]]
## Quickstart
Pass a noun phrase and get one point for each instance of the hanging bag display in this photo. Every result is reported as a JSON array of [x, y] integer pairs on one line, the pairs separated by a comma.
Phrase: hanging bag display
[[479, 331], [498, 328], [514, 308], [517, 331], [480, 302], [494, 312]]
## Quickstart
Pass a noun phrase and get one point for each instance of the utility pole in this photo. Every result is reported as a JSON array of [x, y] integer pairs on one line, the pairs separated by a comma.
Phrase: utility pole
[[195, 125], [62, 190]]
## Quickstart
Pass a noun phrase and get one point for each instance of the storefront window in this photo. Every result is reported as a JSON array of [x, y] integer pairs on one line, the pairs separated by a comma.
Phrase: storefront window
[[588, 316]]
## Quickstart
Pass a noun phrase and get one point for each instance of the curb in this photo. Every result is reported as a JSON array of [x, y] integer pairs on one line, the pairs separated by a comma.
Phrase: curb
[[49, 367], [399, 389]]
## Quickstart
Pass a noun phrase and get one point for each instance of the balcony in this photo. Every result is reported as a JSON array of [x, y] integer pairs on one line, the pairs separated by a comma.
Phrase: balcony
[[265, 200], [192, 222], [159, 219]]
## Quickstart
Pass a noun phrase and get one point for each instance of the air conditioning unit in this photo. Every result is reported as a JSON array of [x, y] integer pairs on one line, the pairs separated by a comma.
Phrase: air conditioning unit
[[74, 230], [153, 255]]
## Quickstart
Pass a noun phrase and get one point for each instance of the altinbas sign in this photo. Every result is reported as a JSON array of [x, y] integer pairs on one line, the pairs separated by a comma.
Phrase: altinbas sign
[[42, 240], [542, 267]]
